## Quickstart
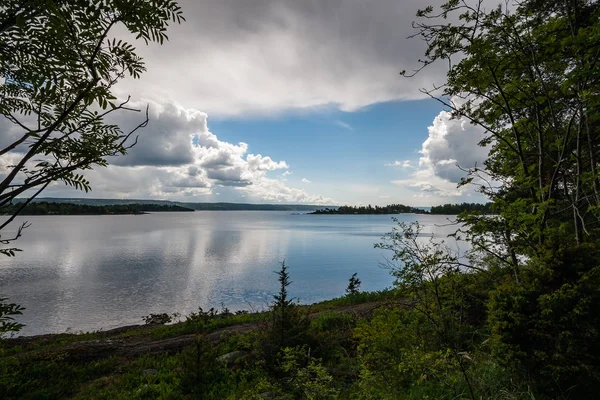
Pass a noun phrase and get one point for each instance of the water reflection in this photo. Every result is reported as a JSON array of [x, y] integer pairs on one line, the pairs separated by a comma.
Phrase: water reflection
[[93, 272]]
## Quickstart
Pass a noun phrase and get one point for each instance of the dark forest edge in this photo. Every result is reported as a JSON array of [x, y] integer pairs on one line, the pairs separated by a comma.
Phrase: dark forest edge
[[79, 206], [455, 209], [220, 206], [446, 209], [46, 208]]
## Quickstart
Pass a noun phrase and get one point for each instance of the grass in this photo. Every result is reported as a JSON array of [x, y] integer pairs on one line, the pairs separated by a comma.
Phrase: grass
[[358, 298], [328, 360], [37, 367]]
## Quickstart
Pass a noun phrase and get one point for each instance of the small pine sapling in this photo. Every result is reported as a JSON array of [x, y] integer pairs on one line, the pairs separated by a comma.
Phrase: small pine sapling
[[353, 285]]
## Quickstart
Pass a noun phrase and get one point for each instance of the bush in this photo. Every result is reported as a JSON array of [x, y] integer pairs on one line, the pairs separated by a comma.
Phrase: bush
[[547, 324], [204, 377], [306, 378], [331, 333]]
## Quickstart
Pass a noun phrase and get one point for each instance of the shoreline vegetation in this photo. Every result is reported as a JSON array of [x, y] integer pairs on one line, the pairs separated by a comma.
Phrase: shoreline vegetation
[[445, 209], [52, 206], [47, 208], [221, 206], [212, 354]]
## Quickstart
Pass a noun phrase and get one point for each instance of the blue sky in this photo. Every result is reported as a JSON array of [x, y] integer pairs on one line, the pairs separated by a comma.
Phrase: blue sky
[[289, 102], [343, 154]]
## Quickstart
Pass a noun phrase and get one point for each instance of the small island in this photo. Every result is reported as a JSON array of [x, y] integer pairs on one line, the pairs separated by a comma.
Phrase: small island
[[390, 209], [445, 209], [455, 209], [49, 208]]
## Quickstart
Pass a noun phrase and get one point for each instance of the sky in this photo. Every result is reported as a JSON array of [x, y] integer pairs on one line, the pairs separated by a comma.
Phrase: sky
[[288, 101]]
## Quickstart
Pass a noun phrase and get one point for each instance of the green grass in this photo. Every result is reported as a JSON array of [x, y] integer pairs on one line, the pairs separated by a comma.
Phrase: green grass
[[359, 298], [341, 355]]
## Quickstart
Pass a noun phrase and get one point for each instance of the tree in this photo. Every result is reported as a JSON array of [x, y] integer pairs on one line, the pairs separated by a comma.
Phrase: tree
[[353, 285], [528, 74], [283, 305], [59, 62]]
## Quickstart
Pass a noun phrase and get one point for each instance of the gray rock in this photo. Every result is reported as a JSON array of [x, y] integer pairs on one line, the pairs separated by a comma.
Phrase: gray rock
[[230, 358]]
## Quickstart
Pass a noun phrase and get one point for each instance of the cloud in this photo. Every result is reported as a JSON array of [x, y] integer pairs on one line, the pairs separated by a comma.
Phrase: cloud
[[344, 125], [403, 164], [166, 140], [188, 162], [451, 143], [424, 183], [264, 56], [286, 173], [304, 180], [273, 190]]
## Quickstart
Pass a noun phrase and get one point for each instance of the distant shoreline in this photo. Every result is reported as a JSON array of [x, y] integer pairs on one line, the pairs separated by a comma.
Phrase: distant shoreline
[[50, 208], [220, 206]]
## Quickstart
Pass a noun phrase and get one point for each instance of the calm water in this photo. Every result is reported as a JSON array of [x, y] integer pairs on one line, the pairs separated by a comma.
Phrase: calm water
[[82, 273]]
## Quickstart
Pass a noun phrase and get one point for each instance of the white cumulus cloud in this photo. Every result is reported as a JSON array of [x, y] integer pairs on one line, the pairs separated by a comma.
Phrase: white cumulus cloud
[[178, 158], [403, 164], [451, 146], [452, 143]]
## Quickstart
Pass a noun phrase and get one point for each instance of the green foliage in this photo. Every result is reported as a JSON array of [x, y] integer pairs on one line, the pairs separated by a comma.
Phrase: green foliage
[[388, 294], [288, 322], [401, 359], [59, 63], [431, 274], [305, 377], [526, 73], [208, 321], [50, 378], [353, 285], [288, 326], [547, 324], [157, 319], [7, 321], [455, 209], [331, 334], [48, 208], [204, 378], [390, 209]]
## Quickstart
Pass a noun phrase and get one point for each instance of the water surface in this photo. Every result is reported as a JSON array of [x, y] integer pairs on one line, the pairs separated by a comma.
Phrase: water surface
[[81, 273]]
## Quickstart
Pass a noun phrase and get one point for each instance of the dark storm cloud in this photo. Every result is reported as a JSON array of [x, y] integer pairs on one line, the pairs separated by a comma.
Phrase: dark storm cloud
[[236, 57]]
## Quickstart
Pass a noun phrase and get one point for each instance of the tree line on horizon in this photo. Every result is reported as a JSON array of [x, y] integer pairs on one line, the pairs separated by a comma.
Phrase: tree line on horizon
[[445, 209], [49, 208]]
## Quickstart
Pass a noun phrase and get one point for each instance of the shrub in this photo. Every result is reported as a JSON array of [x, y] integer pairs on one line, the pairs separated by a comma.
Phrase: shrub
[[547, 324], [306, 378]]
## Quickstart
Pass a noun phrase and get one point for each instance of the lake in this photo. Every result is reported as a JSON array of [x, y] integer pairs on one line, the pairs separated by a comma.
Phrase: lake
[[81, 273]]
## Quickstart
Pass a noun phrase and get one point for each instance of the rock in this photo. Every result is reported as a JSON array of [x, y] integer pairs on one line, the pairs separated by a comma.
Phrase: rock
[[157, 319], [149, 372], [230, 358]]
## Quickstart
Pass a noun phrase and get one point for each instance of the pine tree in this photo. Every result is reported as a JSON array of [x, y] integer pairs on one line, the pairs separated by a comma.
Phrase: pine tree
[[283, 305], [353, 285]]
